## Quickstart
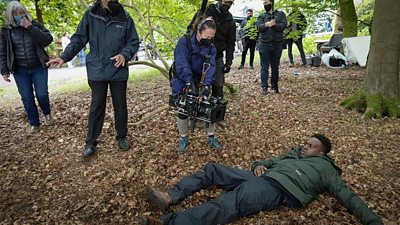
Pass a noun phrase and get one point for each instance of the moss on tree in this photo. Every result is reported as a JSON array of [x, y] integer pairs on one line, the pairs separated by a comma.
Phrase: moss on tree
[[372, 105]]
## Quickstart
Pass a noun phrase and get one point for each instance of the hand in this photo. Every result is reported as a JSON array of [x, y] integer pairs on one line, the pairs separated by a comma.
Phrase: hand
[[187, 88], [119, 60], [272, 23], [53, 63], [25, 22], [227, 68], [6, 77], [259, 170], [205, 93]]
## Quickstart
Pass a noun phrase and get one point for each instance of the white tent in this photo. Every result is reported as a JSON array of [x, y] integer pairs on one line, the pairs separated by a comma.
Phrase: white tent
[[356, 49]]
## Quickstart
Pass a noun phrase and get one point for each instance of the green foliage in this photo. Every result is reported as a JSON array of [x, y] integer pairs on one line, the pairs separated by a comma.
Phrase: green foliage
[[251, 30], [309, 44], [2, 10], [365, 11]]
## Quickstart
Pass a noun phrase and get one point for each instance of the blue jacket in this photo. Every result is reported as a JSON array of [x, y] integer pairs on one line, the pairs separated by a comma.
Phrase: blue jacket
[[188, 73], [107, 36]]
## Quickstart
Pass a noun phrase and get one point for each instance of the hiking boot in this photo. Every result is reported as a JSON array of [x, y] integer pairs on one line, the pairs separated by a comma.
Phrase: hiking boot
[[158, 199], [252, 67], [48, 120], [123, 144], [240, 67], [149, 220], [32, 129], [264, 91], [222, 124], [275, 90], [214, 143], [183, 144], [89, 150]]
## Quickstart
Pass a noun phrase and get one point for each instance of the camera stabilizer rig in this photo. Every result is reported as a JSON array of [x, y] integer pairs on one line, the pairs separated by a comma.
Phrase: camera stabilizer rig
[[208, 109]]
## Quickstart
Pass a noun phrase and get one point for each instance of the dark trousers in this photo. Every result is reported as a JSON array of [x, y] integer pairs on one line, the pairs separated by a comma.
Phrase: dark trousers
[[248, 44], [31, 83], [219, 79], [246, 194], [270, 55], [98, 108], [299, 44]]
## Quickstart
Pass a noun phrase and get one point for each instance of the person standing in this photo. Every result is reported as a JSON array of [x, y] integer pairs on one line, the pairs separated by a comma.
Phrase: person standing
[[294, 34], [249, 38], [195, 60], [271, 25], [22, 54], [113, 40]]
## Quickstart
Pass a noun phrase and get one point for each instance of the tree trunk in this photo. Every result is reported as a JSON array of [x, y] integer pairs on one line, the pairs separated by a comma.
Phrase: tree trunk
[[349, 18], [380, 95], [39, 14]]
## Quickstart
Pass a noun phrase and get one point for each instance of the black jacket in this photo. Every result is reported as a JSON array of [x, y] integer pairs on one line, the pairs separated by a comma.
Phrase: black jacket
[[40, 37], [225, 37], [271, 35], [107, 36]]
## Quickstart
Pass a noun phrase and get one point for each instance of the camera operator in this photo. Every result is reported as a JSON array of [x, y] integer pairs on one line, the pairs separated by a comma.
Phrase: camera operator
[[194, 67]]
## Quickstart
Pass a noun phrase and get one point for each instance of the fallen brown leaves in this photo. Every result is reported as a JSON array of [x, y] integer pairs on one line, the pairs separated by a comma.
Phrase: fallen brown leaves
[[45, 180]]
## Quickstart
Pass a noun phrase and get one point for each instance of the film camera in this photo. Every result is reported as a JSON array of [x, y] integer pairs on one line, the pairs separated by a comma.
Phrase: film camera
[[211, 109]]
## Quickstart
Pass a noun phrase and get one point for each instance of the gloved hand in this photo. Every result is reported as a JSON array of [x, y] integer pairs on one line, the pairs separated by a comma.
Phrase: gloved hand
[[205, 92], [227, 68], [187, 88]]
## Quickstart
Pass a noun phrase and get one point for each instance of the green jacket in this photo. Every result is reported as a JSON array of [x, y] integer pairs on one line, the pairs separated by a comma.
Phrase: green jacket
[[307, 177]]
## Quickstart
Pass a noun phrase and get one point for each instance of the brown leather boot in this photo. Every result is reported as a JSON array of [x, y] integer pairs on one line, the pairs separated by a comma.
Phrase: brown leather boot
[[158, 198], [148, 220]]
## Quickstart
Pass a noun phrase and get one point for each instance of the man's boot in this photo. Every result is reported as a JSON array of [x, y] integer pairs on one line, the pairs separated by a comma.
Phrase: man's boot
[[158, 199], [148, 220], [264, 91]]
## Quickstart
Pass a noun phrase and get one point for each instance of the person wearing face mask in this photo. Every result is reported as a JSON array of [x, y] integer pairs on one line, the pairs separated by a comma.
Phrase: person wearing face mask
[[224, 41], [111, 34], [22, 54], [271, 25], [249, 37], [189, 72]]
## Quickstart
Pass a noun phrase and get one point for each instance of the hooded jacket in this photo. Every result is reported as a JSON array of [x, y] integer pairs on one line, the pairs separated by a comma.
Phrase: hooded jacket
[[108, 36], [307, 177], [40, 38], [187, 69]]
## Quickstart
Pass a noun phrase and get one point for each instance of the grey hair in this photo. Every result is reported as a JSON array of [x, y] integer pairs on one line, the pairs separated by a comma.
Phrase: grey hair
[[12, 7]]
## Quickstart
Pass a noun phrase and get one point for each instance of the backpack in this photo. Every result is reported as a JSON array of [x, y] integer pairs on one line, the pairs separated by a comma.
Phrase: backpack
[[336, 62], [172, 69]]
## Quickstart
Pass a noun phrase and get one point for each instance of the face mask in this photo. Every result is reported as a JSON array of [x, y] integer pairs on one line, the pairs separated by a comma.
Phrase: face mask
[[248, 17], [268, 7], [114, 7], [223, 8], [18, 19], [206, 42]]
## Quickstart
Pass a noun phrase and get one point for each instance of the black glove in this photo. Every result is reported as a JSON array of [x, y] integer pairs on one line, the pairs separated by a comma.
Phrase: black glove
[[205, 92], [227, 68], [187, 87]]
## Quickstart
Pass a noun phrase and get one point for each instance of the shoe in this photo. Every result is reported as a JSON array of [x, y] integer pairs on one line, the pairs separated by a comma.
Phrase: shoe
[[158, 199], [264, 91], [240, 67], [252, 67], [183, 144], [123, 144], [222, 124], [275, 90], [291, 64], [48, 120], [32, 129], [214, 143], [89, 150], [149, 220]]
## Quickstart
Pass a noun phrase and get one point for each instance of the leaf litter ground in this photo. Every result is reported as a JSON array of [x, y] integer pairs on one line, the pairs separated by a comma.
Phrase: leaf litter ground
[[44, 179]]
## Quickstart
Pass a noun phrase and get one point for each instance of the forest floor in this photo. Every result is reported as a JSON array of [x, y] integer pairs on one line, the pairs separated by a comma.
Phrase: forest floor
[[45, 180]]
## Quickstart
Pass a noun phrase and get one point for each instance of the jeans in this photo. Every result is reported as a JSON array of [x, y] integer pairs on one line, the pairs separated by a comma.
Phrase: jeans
[[245, 194], [29, 81], [270, 55], [299, 43], [98, 109], [248, 44]]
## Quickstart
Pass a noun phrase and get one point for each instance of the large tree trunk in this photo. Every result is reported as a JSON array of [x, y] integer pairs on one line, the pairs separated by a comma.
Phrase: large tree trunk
[[39, 14], [349, 18], [380, 95]]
